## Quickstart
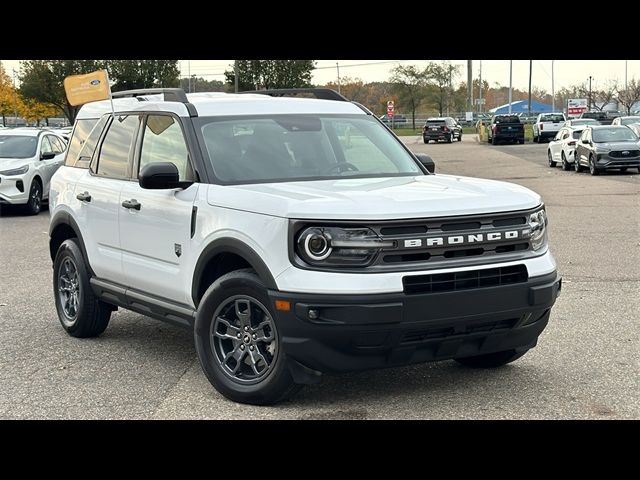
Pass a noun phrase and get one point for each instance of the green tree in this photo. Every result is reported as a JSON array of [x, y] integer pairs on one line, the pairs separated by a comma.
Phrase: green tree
[[199, 84], [269, 74], [41, 80], [410, 86], [441, 77], [134, 74]]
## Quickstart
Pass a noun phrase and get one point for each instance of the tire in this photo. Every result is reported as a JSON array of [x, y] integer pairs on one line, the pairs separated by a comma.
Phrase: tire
[[34, 202], [491, 360], [593, 170], [425, 140], [576, 164], [224, 358], [552, 164], [460, 137], [565, 164], [450, 138], [87, 316]]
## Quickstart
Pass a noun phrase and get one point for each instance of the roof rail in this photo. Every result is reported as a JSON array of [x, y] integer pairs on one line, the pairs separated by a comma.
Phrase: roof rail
[[319, 93], [170, 95]]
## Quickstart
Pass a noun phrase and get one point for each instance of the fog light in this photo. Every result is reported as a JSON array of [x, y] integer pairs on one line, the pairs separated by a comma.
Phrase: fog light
[[313, 314]]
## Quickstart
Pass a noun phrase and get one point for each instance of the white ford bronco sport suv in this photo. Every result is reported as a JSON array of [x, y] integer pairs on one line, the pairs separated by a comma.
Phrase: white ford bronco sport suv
[[295, 236]]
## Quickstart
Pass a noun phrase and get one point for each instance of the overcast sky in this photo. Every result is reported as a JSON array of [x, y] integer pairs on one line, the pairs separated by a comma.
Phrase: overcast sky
[[566, 72]]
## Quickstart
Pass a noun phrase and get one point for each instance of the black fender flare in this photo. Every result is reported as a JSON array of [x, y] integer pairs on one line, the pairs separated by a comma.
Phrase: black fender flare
[[237, 247], [64, 218]]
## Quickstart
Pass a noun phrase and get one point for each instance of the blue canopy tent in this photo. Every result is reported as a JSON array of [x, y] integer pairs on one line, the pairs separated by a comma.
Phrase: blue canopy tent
[[522, 106]]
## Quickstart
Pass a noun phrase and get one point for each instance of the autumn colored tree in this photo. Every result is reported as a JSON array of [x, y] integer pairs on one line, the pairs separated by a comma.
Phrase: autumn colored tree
[[34, 111], [8, 95]]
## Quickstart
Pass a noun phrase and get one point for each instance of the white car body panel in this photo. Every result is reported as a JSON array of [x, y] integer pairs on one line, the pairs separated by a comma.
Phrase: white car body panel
[[558, 146], [548, 129]]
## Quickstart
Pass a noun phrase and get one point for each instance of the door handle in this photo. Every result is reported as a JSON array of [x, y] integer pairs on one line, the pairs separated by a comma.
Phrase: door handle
[[133, 203], [84, 197]]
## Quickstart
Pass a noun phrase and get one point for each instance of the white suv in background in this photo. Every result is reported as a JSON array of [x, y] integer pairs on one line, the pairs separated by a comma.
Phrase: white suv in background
[[562, 149], [547, 125], [294, 237], [28, 159]]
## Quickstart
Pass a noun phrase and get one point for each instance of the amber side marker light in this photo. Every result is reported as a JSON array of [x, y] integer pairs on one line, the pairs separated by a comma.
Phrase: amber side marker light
[[283, 305]]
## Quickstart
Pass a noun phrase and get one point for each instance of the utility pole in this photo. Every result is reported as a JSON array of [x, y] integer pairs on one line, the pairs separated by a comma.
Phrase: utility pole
[[469, 85], [189, 69], [625, 74], [510, 83], [530, 74], [338, 69], [553, 90], [590, 77], [235, 75], [480, 96], [15, 100]]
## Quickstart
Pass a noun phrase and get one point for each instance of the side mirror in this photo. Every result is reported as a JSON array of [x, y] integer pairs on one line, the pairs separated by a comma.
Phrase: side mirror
[[585, 141], [427, 161], [47, 155], [160, 176]]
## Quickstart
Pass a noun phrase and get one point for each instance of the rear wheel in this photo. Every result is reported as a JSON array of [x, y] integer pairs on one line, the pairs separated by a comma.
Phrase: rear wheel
[[494, 141], [460, 137], [550, 158], [565, 164], [450, 138], [425, 139], [81, 313], [491, 360], [536, 138]]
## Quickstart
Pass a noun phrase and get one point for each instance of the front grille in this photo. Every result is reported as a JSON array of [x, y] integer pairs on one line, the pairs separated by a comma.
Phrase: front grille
[[467, 280], [618, 153], [424, 335]]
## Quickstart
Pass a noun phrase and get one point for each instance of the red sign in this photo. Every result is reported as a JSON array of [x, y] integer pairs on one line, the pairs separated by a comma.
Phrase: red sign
[[576, 111], [390, 108]]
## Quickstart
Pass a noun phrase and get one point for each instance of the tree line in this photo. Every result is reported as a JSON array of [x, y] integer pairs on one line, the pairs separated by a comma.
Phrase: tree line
[[433, 90]]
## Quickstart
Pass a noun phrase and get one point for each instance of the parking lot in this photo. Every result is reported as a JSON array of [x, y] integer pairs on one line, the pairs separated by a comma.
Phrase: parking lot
[[586, 364]]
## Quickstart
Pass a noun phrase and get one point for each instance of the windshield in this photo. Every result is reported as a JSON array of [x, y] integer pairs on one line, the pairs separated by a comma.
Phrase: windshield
[[606, 135], [552, 118], [17, 146], [629, 120], [250, 149], [585, 121]]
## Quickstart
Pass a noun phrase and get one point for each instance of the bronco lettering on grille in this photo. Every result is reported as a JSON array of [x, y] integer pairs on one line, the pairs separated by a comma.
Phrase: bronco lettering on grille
[[468, 239]]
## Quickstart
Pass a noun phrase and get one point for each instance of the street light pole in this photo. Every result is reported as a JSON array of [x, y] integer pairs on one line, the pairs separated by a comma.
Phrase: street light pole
[[235, 74], [15, 100], [338, 69], [553, 90], [510, 83], [480, 95], [625, 74], [590, 77]]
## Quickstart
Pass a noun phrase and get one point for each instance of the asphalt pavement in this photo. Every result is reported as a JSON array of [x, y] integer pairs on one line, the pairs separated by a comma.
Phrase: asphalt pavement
[[586, 364]]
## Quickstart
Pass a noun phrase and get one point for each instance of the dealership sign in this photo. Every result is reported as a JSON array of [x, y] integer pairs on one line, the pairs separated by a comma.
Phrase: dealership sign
[[576, 107]]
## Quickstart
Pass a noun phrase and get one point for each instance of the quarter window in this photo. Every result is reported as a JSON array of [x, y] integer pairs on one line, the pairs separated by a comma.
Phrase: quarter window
[[45, 146], [80, 134], [116, 147], [163, 141]]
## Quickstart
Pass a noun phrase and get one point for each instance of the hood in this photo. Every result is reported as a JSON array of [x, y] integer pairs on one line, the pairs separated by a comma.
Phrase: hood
[[376, 198], [618, 145], [11, 163]]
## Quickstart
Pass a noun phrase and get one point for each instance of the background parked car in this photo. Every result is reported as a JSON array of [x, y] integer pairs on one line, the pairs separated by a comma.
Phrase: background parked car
[[625, 120], [547, 126], [576, 122], [635, 128], [607, 147], [505, 128], [398, 120], [599, 116], [28, 159], [562, 148], [441, 128]]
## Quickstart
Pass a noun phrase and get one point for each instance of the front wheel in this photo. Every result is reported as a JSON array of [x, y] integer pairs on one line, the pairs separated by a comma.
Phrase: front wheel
[[425, 139], [450, 138], [494, 141], [81, 313], [491, 360], [593, 170], [34, 202], [576, 164], [460, 137], [238, 343]]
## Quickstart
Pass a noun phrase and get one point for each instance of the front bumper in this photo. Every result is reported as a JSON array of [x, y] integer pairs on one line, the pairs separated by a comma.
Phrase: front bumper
[[13, 190], [357, 332], [606, 162]]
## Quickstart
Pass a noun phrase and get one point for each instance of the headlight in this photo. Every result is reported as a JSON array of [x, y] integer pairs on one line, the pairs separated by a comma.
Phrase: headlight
[[538, 224], [15, 171], [334, 246], [602, 150]]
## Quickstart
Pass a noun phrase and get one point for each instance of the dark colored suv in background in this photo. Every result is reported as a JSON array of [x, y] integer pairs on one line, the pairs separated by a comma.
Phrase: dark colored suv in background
[[441, 128]]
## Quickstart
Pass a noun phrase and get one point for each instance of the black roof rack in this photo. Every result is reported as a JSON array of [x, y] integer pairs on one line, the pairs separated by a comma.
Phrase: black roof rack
[[170, 95], [319, 93]]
